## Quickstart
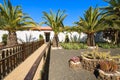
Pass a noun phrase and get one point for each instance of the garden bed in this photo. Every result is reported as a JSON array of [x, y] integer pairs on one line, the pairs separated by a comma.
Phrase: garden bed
[[89, 64], [75, 63], [92, 65], [108, 76]]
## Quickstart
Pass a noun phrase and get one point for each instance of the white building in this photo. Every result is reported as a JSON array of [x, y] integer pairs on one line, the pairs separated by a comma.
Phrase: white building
[[47, 33]]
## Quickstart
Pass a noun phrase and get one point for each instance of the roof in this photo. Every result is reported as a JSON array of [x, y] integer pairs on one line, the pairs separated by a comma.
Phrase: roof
[[40, 28], [46, 28]]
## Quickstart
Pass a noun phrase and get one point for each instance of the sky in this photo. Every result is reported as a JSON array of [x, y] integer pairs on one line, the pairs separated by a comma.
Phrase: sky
[[74, 8]]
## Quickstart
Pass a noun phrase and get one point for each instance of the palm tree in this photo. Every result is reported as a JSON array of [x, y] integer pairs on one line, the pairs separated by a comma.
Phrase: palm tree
[[112, 13], [91, 23], [13, 19], [55, 21]]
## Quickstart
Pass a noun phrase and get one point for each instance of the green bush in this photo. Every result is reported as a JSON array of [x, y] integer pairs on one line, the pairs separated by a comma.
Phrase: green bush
[[107, 45], [40, 37], [119, 45], [74, 46], [83, 46], [4, 38]]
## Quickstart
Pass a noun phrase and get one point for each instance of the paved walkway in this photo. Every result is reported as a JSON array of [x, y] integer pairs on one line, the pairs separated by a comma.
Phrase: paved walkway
[[60, 70], [21, 71]]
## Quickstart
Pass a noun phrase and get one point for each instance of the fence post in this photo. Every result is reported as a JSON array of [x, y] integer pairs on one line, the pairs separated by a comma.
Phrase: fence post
[[23, 52], [3, 63]]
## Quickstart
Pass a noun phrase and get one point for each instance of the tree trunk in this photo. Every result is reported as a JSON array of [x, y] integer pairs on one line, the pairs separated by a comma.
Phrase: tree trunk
[[116, 37], [55, 41], [12, 39], [90, 39]]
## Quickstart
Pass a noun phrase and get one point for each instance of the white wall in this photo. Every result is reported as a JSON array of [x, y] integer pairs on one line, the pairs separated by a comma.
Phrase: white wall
[[22, 35], [1, 34]]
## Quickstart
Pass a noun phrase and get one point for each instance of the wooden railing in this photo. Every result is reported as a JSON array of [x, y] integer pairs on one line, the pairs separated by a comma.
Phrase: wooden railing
[[42, 58], [11, 57]]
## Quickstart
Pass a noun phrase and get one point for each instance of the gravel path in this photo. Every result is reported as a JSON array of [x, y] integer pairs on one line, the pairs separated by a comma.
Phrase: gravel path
[[60, 70]]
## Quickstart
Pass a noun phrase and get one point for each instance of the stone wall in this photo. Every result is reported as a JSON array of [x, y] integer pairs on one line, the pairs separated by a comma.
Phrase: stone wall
[[109, 76], [89, 64]]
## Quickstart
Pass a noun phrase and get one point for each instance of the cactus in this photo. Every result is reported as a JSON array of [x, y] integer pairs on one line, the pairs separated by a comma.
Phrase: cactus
[[95, 54], [108, 66]]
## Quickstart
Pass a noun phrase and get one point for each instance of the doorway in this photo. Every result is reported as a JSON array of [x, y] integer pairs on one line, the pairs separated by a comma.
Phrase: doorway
[[47, 36]]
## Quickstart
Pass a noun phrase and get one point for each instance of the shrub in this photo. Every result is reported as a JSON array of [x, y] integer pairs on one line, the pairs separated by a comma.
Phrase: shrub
[[107, 45], [95, 54], [4, 38], [66, 39], [74, 46], [119, 45], [83, 46], [40, 37]]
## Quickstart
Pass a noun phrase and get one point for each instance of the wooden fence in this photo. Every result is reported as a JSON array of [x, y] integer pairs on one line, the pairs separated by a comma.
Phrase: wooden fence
[[41, 59], [11, 57]]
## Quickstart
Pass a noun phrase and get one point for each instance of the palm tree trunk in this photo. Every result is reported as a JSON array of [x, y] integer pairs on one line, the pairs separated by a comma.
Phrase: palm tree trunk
[[116, 37], [90, 39], [12, 39], [55, 41]]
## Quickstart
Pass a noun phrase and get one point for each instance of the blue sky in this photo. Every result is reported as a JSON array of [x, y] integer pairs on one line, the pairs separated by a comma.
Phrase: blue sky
[[74, 8]]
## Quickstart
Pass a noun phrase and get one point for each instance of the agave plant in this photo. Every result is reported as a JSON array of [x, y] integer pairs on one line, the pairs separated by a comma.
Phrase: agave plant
[[28, 38]]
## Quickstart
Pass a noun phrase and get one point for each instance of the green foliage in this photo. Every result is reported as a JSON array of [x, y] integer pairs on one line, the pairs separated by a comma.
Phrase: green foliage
[[54, 20], [107, 45], [4, 38], [66, 39], [95, 54], [74, 46], [40, 37], [12, 17], [119, 45], [91, 22]]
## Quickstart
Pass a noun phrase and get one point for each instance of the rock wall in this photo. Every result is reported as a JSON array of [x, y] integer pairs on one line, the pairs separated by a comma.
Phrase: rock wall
[[91, 65]]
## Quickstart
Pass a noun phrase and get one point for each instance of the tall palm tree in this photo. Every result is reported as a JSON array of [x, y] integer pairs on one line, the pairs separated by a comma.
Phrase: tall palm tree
[[55, 21], [91, 23], [112, 13], [12, 19]]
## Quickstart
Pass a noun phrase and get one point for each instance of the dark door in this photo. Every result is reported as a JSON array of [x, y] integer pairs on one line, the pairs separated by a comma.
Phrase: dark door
[[47, 36]]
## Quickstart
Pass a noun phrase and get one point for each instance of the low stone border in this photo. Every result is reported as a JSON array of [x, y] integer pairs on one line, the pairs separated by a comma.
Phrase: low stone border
[[75, 65], [108, 76], [89, 64]]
